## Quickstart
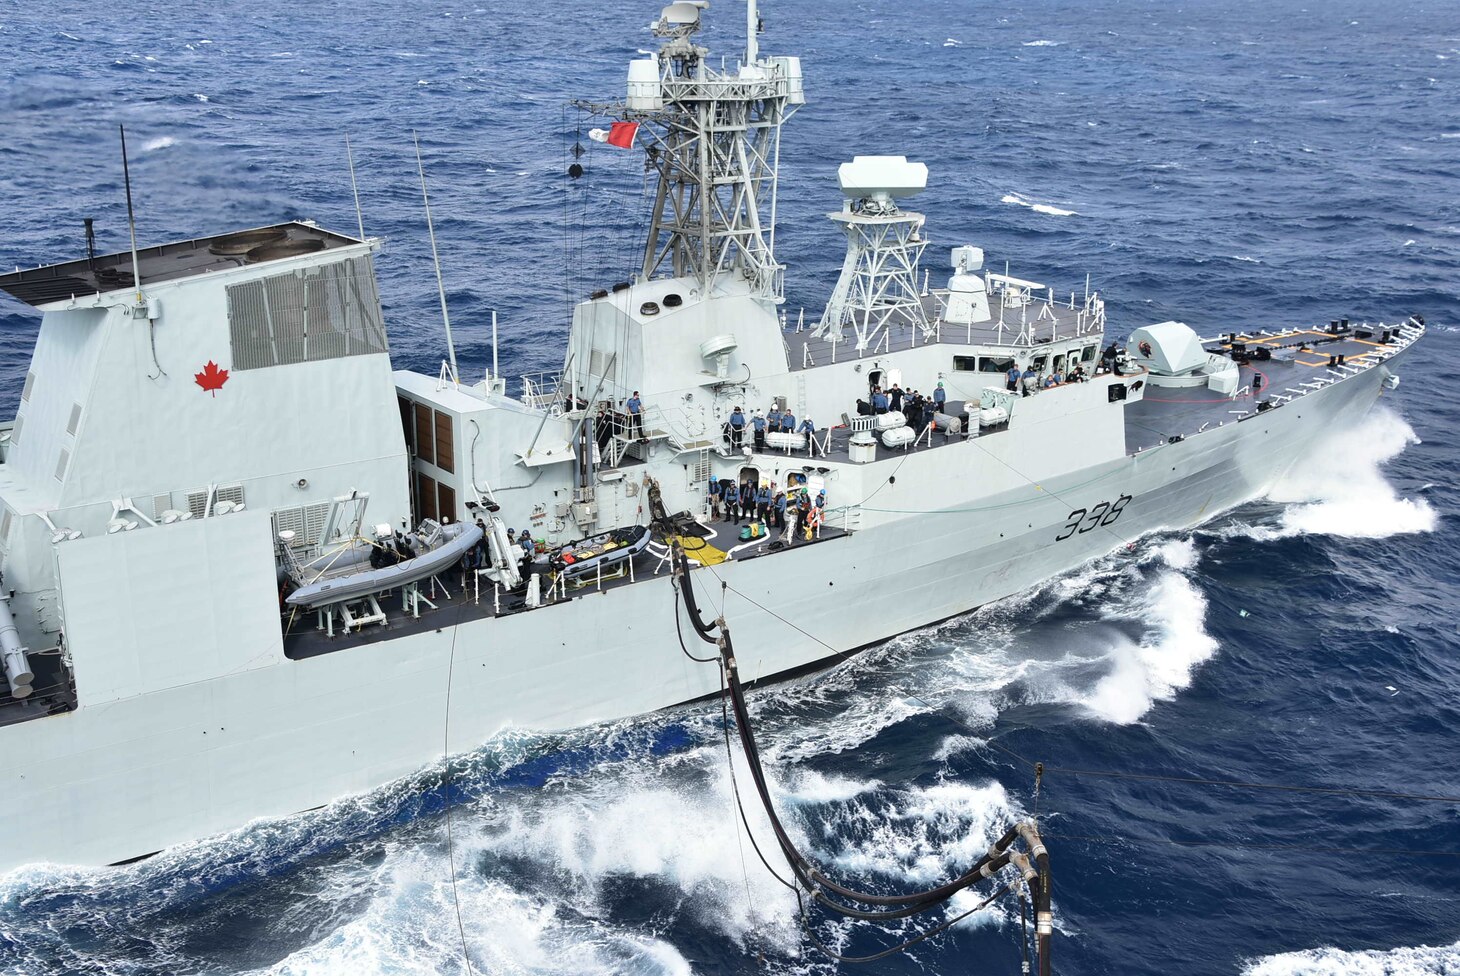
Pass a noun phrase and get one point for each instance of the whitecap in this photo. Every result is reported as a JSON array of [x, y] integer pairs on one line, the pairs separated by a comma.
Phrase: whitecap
[[1244, 258], [1450, 135], [1041, 43], [201, 98], [1043, 208], [1405, 961], [952, 42], [162, 142], [1408, 242], [69, 37]]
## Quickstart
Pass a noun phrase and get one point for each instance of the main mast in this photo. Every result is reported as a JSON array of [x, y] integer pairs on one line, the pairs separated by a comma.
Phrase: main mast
[[713, 140]]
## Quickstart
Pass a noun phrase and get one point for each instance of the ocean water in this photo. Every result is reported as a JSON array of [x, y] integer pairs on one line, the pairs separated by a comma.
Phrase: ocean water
[[1229, 163]]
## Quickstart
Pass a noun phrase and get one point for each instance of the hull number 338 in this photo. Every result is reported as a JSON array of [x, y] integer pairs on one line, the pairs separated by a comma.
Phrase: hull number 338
[[1084, 520]]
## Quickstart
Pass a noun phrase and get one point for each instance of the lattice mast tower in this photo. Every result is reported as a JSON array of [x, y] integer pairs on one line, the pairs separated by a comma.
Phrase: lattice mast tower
[[878, 287], [714, 142]]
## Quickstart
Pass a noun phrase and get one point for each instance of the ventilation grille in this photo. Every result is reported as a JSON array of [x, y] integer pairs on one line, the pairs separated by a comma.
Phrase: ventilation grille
[[309, 315], [598, 361], [5, 526], [700, 470], [160, 504], [25, 390], [198, 500], [15, 431], [306, 522], [61, 464], [75, 421]]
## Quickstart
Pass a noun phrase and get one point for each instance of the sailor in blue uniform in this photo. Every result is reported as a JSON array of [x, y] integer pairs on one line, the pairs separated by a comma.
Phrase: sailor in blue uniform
[[737, 428], [808, 427], [759, 423], [636, 417], [940, 398]]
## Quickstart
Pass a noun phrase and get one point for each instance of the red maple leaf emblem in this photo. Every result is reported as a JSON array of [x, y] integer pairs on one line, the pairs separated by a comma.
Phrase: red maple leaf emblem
[[211, 378]]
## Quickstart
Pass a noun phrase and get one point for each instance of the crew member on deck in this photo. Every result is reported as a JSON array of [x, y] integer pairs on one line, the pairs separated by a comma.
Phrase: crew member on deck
[[788, 422], [759, 424], [808, 427], [714, 496], [763, 501], [636, 415], [1053, 380], [879, 400], [895, 398], [940, 398], [773, 419], [1014, 374], [778, 513], [1030, 380], [747, 501], [737, 428]]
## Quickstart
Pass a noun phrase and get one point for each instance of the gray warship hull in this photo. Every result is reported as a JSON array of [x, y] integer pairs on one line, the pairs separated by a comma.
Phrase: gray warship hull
[[297, 735]]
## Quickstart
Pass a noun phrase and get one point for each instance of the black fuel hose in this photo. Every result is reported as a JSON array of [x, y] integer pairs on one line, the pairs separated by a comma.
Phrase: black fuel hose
[[706, 631], [809, 875]]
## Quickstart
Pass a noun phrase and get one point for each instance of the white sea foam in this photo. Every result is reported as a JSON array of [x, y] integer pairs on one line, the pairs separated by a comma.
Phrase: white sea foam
[[1162, 663], [1450, 135], [410, 927], [162, 142], [1041, 43], [1245, 259], [1343, 491], [200, 97], [1043, 208], [1416, 961]]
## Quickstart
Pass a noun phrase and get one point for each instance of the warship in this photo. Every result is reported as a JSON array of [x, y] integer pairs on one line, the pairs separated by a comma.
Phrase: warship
[[249, 568]]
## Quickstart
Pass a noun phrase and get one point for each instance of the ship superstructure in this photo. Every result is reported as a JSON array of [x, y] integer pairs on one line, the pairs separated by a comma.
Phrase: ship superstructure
[[243, 558]]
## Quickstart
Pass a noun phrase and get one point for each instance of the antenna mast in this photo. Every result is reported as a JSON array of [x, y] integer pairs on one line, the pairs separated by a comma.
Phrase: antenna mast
[[131, 217], [350, 158], [752, 30], [436, 259]]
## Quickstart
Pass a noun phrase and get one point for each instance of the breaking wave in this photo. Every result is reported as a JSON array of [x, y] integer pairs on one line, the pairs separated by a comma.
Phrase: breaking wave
[[1418, 961], [1043, 208], [1344, 492]]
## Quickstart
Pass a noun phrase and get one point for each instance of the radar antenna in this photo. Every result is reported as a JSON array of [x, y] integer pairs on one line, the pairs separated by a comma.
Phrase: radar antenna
[[878, 288]]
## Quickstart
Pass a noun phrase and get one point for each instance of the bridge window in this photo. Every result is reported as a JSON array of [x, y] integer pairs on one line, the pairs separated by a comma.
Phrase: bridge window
[[995, 364]]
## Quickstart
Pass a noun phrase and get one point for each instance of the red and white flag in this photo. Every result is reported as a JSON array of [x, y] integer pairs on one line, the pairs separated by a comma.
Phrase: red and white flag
[[620, 134]]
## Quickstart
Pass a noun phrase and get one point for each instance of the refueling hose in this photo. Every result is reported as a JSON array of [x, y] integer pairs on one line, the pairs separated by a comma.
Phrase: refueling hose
[[807, 874]]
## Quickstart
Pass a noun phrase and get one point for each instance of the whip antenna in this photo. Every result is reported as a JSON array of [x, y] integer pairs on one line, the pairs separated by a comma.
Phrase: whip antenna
[[354, 188], [131, 217], [436, 259]]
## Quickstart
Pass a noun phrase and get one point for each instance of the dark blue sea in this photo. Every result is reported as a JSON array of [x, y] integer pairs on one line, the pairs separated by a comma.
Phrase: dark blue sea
[[1229, 163]]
